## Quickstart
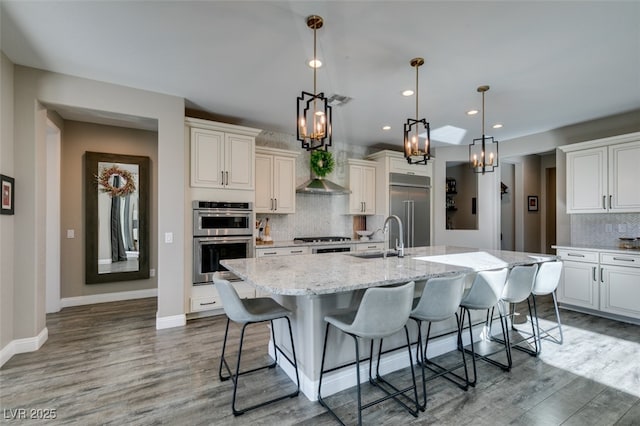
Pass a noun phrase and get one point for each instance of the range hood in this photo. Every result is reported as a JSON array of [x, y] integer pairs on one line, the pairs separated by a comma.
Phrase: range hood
[[321, 186]]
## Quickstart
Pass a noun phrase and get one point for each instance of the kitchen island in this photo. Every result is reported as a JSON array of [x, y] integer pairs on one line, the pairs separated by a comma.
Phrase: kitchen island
[[312, 286]]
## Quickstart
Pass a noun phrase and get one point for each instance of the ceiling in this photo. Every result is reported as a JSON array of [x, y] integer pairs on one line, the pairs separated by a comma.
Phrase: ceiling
[[549, 64]]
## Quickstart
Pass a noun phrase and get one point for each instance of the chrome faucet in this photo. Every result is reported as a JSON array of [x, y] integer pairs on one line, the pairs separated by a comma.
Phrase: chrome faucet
[[400, 244]]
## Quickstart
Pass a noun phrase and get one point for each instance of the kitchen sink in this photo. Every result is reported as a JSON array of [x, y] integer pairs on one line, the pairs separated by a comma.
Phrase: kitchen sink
[[373, 254]]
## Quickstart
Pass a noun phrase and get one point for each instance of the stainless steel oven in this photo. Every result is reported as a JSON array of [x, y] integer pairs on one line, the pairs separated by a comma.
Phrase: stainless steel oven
[[221, 230]]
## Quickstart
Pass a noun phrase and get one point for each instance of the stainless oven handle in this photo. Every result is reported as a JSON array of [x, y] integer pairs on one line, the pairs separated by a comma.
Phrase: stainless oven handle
[[224, 239]]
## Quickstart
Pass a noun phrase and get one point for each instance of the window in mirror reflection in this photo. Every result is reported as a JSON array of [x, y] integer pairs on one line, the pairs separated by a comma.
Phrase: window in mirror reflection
[[461, 196]]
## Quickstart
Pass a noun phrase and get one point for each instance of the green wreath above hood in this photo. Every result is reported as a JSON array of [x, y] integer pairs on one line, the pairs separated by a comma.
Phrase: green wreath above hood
[[321, 163]]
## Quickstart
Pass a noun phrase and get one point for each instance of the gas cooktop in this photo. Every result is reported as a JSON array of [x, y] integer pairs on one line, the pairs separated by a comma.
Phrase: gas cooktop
[[320, 239]]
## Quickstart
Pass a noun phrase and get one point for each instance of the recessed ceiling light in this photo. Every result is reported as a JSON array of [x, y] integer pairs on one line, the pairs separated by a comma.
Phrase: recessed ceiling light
[[472, 112], [315, 63], [407, 92], [387, 127], [497, 126]]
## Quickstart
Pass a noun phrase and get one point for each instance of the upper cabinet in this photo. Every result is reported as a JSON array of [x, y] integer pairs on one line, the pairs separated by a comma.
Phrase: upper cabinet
[[222, 155], [275, 181], [362, 183], [602, 175]]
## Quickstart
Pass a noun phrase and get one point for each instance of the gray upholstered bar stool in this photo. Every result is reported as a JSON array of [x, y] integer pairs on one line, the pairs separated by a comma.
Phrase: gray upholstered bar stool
[[516, 290], [382, 312], [245, 312], [547, 280], [484, 294], [439, 301]]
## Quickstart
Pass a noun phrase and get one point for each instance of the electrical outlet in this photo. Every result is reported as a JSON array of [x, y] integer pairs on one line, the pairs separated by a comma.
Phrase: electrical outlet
[[152, 272], [622, 227], [168, 237], [71, 233]]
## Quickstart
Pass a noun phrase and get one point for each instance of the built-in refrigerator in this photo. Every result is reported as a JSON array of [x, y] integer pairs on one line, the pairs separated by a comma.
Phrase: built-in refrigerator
[[409, 199]]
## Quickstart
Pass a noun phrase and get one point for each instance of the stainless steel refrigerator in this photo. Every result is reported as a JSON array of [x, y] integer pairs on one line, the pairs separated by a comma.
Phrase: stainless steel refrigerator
[[409, 199]]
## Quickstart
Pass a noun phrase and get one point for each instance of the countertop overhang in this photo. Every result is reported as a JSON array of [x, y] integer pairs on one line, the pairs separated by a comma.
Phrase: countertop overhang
[[316, 274]]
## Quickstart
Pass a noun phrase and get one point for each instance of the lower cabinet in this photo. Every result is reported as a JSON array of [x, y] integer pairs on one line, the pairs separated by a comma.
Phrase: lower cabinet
[[601, 281], [371, 246], [282, 251], [205, 297]]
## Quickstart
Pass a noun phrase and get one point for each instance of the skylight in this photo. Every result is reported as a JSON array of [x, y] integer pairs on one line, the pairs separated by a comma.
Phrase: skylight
[[448, 134]]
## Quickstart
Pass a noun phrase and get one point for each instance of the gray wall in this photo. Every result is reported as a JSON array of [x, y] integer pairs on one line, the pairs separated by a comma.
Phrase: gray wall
[[77, 138]]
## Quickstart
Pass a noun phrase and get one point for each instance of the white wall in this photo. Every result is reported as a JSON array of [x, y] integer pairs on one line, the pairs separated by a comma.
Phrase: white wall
[[36, 89]]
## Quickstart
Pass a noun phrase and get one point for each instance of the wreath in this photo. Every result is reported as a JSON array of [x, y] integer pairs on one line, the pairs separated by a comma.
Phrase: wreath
[[104, 180], [321, 163]]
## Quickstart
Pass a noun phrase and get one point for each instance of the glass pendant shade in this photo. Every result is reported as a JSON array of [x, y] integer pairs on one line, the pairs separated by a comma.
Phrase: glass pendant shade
[[415, 151], [313, 123], [483, 151]]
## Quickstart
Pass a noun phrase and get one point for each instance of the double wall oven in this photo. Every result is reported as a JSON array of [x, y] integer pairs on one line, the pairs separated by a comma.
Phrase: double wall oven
[[221, 230]]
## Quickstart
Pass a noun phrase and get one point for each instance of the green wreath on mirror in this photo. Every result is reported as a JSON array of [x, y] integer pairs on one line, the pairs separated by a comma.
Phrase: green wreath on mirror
[[321, 163]]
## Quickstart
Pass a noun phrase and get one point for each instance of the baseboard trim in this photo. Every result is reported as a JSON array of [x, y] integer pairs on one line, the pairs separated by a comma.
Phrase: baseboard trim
[[19, 346], [108, 297], [171, 321]]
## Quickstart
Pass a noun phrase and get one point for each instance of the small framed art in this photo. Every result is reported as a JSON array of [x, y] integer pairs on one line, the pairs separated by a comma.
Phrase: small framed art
[[7, 185], [532, 203]]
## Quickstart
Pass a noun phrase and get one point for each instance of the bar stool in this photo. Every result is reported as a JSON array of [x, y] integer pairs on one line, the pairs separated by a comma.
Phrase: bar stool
[[546, 282], [518, 289], [484, 295], [245, 312], [381, 313], [439, 301]]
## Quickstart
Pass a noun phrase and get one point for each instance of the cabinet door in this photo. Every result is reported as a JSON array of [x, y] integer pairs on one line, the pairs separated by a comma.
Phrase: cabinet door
[[579, 284], [207, 158], [620, 290], [587, 181], [369, 189], [239, 153], [624, 175], [264, 183], [284, 184], [356, 201]]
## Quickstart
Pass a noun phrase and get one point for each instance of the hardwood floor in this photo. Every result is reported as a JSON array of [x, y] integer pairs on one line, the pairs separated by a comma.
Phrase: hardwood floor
[[106, 364]]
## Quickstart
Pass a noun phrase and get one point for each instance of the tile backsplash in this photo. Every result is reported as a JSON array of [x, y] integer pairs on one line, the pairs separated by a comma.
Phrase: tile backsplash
[[603, 229]]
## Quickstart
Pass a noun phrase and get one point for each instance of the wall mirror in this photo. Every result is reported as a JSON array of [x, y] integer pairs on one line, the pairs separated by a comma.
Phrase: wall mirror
[[461, 204], [116, 217]]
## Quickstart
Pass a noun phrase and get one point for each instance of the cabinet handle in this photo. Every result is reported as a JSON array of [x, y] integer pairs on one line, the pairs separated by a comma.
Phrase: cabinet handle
[[594, 273], [209, 303], [610, 205], [222, 178], [275, 200], [227, 174], [295, 251], [623, 259], [271, 200], [269, 253], [604, 202], [601, 278], [575, 255], [372, 246]]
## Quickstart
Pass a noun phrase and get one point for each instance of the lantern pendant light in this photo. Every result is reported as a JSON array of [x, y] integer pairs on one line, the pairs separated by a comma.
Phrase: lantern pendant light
[[412, 151], [483, 152], [313, 122]]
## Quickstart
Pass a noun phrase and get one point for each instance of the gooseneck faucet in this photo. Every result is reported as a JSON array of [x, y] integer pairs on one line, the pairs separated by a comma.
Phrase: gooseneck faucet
[[399, 244]]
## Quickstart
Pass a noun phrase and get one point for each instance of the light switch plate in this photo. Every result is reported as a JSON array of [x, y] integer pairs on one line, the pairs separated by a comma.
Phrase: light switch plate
[[71, 233], [168, 237]]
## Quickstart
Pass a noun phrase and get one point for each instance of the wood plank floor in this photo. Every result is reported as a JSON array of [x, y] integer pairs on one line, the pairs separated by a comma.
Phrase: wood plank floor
[[106, 364]]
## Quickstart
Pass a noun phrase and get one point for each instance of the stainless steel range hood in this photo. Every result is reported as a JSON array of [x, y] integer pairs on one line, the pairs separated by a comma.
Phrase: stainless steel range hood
[[321, 186]]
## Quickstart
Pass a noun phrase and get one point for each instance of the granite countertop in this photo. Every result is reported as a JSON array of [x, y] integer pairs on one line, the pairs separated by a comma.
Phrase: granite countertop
[[329, 273], [598, 248]]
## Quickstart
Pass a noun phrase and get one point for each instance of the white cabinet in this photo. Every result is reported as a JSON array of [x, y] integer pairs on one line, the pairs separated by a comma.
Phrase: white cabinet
[[222, 155], [205, 297], [606, 282], [362, 183], [620, 284], [282, 251], [275, 181], [602, 175]]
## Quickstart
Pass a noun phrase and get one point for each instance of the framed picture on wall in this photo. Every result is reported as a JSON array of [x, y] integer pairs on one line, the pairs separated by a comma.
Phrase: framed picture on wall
[[532, 203], [7, 186]]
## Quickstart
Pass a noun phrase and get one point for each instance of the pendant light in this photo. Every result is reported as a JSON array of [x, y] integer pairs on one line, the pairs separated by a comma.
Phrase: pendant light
[[412, 151], [483, 152], [314, 112]]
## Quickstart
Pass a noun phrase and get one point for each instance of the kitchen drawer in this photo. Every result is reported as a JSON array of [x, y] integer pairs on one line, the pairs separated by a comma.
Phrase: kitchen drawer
[[282, 251], [205, 297], [205, 303], [369, 247], [632, 260], [578, 255]]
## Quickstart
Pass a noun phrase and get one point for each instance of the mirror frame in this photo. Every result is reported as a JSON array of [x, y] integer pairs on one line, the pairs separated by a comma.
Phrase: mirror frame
[[91, 217]]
